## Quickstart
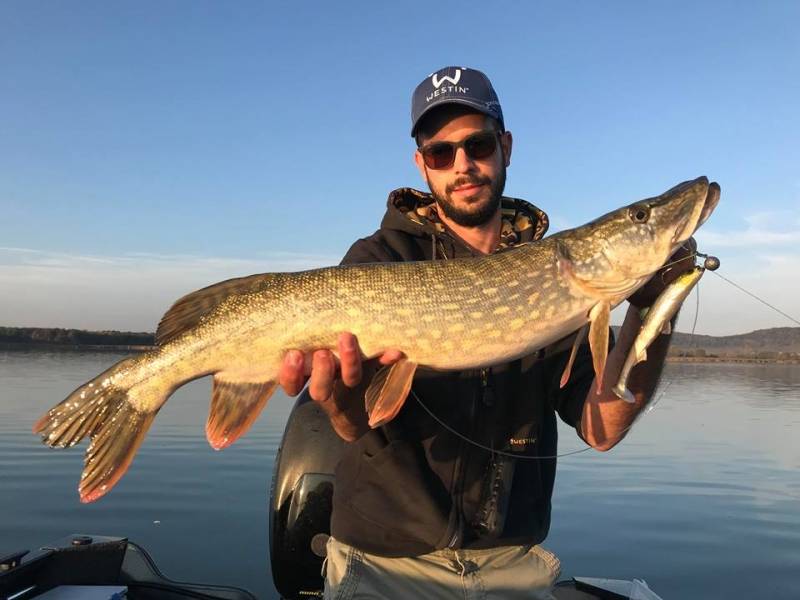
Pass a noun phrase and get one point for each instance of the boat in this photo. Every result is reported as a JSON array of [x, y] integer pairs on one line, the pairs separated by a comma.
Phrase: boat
[[95, 567], [99, 567]]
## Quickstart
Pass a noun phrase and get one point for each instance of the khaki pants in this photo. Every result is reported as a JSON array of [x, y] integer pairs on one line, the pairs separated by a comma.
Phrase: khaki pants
[[508, 572]]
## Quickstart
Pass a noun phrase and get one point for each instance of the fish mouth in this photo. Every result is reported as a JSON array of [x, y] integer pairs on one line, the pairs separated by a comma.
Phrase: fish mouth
[[697, 200], [712, 199]]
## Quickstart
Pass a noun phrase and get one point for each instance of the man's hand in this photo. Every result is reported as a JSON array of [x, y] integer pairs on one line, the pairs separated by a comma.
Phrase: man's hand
[[337, 388], [680, 262]]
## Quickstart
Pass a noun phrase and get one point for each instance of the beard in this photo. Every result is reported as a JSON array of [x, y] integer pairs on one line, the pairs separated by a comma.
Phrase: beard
[[474, 214]]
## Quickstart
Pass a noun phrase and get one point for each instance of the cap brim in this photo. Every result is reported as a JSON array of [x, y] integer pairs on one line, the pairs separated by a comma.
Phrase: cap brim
[[481, 108]]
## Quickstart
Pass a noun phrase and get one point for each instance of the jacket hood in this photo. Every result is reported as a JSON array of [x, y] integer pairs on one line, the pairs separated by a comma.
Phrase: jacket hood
[[414, 212]]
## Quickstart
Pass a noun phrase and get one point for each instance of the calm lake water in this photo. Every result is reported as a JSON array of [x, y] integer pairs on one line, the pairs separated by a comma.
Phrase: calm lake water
[[702, 500]]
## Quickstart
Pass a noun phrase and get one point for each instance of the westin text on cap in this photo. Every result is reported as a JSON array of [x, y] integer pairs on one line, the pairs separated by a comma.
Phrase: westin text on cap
[[456, 85]]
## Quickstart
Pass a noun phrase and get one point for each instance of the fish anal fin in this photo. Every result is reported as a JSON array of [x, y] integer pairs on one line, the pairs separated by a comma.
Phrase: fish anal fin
[[388, 390], [599, 317], [235, 405], [187, 312], [580, 335]]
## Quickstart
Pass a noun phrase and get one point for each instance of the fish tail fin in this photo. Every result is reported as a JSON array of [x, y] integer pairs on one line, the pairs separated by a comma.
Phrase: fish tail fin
[[103, 411]]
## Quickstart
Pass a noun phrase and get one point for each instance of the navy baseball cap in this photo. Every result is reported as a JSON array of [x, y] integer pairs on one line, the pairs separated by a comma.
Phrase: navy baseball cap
[[455, 85]]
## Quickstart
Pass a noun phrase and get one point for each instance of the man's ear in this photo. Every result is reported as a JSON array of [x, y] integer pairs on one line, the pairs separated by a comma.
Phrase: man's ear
[[420, 162], [506, 141]]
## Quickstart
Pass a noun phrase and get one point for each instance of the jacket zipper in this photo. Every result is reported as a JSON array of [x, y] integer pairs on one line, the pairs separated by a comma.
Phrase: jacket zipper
[[460, 470], [457, 494]]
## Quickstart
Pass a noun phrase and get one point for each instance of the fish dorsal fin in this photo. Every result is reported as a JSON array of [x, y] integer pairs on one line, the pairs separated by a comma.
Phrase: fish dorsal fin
[[387, 391], [235, 405], [187, 311], [599, 317]]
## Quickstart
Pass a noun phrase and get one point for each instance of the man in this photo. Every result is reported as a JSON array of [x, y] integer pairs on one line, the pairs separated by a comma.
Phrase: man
[[452, 496]]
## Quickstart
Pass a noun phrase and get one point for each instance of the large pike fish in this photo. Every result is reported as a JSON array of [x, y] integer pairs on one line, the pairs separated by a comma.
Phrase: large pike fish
[[446, 315]]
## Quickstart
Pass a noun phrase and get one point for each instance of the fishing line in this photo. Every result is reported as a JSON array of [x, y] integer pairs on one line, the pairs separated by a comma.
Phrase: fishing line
[[711, 264], [467, 439], [696, 309], [713, 261], [472, 442], [779, 311]]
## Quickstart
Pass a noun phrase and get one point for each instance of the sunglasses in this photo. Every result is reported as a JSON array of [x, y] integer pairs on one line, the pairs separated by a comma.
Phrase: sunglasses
[[442, 155]]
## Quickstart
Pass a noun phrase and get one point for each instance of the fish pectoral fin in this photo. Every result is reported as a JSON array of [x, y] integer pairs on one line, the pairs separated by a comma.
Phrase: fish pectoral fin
[[599, 317], [235, 405], [667, 328], [580, 335], [387, 392]]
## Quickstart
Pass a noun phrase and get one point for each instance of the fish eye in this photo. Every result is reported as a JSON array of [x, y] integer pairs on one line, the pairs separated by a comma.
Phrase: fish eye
[[639, 214]]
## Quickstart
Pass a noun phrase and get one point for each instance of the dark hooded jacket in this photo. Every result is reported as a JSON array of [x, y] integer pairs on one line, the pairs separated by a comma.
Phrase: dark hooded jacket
[[429, 479]]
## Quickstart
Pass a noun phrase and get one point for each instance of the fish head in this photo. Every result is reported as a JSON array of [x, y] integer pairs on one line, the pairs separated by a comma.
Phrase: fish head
[[612, 256]]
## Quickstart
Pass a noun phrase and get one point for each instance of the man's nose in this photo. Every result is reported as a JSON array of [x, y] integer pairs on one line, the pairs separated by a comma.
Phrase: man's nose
[[463, 163]]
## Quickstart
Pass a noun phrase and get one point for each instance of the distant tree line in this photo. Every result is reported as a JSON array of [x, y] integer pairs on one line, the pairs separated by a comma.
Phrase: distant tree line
[[73, 337]]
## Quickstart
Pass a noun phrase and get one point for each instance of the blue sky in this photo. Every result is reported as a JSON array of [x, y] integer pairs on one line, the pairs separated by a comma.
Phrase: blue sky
[[150, 148]]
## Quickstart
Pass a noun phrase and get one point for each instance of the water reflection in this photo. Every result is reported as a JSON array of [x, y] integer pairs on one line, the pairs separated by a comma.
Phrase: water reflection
[[759, 385], [201, 513], [705, 487]]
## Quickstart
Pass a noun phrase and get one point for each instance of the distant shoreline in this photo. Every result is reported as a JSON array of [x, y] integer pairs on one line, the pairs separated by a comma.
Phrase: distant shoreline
[[75, 347], [54, 338], [733, 359]]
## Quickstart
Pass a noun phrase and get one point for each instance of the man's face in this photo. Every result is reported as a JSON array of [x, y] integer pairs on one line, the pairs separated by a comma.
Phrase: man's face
[[468, 192]]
